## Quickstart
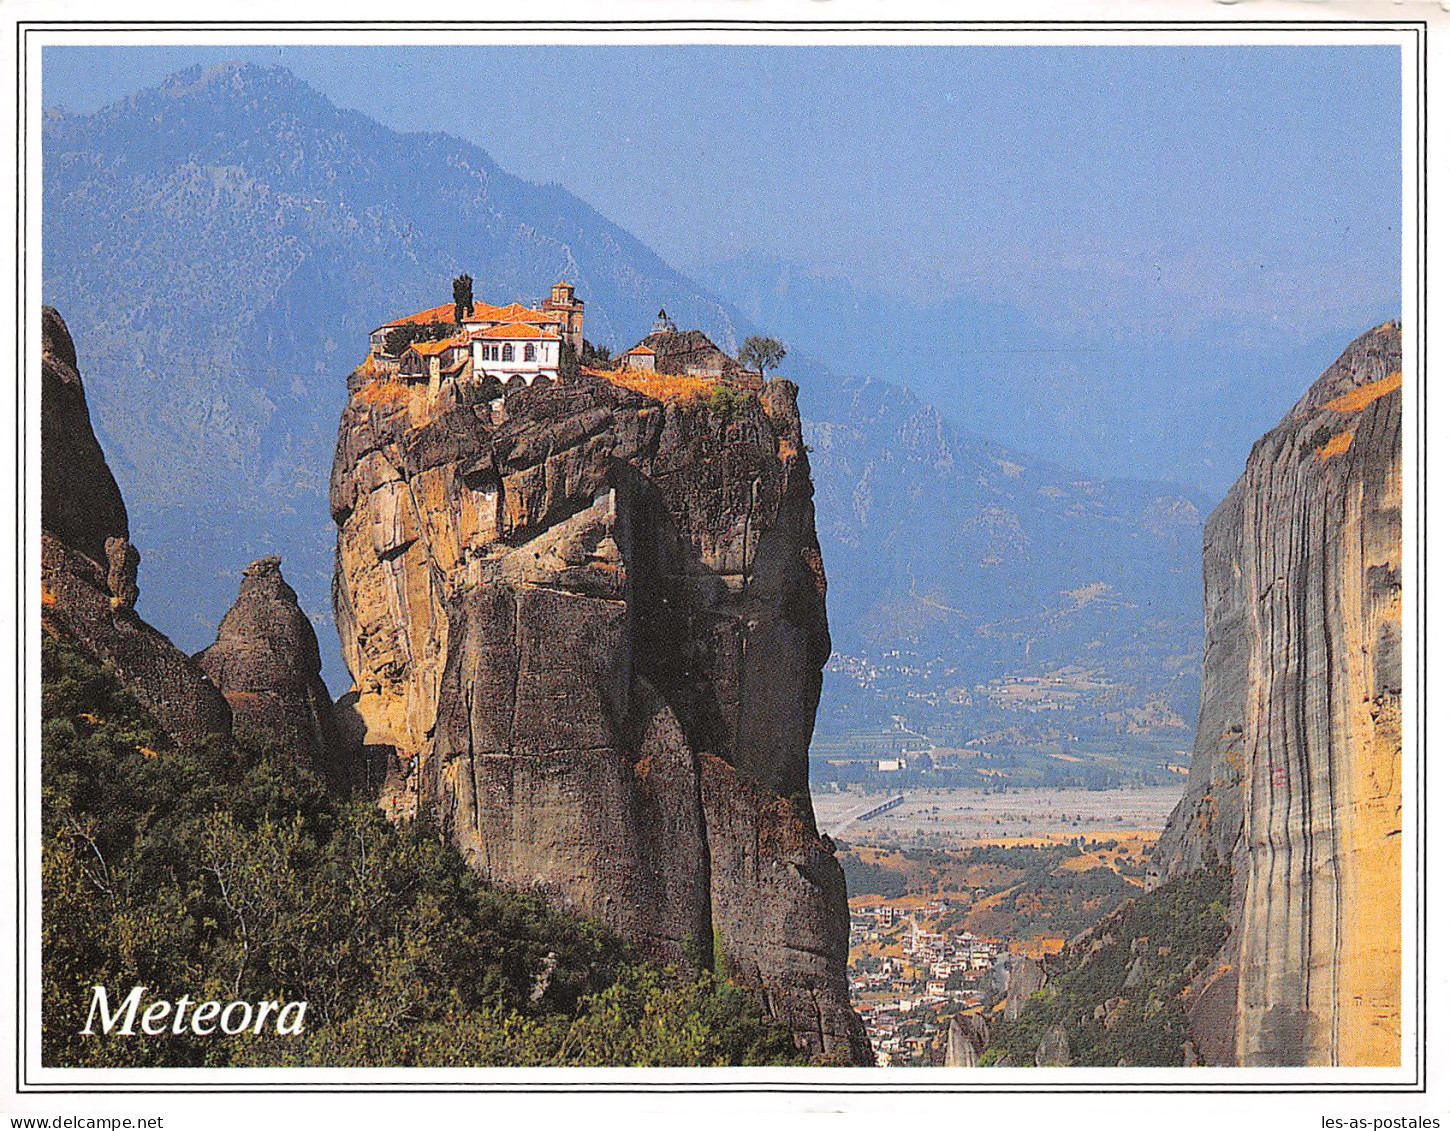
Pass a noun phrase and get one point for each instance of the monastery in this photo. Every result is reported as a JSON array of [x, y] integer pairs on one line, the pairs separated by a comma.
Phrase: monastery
[[521, 344], [510, 343]]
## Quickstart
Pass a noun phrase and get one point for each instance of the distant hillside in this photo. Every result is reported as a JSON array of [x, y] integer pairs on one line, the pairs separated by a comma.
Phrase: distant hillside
[[975, 590], [222, 244], [1118, 399]]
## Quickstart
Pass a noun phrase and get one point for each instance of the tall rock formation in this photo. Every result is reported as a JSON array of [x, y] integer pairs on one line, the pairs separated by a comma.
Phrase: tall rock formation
[[88, 565], [266, 663], [587, 631], [967, 1039], [1295, 779]]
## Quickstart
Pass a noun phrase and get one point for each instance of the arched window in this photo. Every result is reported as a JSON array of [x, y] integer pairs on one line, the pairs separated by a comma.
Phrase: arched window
[[529, 352], [508, 353]]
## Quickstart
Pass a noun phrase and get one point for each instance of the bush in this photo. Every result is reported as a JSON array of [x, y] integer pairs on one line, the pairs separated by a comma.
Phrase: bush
[[399, 338], [1148, 1023], [728, 404], [228, 873]]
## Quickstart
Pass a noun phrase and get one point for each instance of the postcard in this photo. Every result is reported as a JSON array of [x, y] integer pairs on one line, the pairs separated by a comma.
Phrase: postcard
[[723, 560]]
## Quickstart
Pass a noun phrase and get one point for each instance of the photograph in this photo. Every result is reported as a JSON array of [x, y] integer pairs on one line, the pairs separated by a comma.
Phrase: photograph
[[723, 555]]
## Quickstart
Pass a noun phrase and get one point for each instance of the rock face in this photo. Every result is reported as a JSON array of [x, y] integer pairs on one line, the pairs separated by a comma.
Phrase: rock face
[[1052, 1050], [88, 565], [1022, 977], [587, 631], [1295, 780], [967, 1037], [265, 662]]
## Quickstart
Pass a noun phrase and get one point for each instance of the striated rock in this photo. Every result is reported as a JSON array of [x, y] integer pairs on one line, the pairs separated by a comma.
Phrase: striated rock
[[587, 632], [967, 1036], [1052, 1050], [80, 503], [266, 663], [1024, 977], [88, 565], [1295, 779]]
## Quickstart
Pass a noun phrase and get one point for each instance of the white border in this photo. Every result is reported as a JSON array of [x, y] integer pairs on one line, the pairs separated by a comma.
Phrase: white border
[[828, 1080]]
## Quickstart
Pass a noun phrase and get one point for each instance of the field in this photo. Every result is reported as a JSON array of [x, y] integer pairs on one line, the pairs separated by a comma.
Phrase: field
[[947, 885], [959, 818]]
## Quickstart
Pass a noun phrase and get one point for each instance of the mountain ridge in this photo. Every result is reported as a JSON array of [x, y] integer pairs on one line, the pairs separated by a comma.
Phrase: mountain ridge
[[227, 240]]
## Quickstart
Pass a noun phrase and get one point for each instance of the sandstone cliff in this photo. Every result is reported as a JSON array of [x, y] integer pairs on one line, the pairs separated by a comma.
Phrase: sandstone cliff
[[967, 1038], [88, 565], [1295, 780], [266, 663], [587, 631]]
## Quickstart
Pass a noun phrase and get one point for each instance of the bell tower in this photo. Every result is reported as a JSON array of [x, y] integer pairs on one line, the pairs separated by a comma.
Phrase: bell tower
[[562, 301]]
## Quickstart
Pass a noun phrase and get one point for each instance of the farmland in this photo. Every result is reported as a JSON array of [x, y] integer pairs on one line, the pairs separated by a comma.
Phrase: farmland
[[946, 885], [959, 818]]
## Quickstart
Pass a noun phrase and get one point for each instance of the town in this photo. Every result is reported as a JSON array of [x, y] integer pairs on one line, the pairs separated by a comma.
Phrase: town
[[907, 982]]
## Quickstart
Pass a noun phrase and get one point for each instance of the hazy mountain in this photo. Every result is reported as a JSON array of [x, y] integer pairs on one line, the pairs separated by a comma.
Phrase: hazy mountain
[[221, 245], [1183, 406], [958, 566]]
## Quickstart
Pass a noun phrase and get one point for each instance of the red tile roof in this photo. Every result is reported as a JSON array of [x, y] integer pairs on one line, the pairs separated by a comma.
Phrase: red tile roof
[[516, 330], [481, 312], [517, 312], [428, 349], [422, 318]]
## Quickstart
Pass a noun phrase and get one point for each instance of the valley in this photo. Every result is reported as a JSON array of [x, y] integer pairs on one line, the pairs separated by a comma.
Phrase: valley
[[961, 818], [951, 888], [723, 658]]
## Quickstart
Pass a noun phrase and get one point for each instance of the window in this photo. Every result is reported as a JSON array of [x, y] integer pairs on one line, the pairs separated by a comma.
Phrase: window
[[529, 352], [508, 353]]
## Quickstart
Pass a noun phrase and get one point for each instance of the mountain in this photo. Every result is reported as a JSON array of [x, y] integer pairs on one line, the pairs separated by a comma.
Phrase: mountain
[[1295, 780], [978, 592], [224, 243], [1131, 395], [88, 563]]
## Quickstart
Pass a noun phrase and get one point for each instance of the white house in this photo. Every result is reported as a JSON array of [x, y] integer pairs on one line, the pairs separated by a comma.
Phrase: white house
[[518, 349], [506, 342]]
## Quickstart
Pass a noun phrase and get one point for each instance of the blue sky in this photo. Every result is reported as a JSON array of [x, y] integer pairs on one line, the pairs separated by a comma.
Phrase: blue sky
[[1201, 211], [1238, 180]]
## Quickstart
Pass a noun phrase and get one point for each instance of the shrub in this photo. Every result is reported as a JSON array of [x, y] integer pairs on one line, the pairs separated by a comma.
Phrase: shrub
[[229, 873]]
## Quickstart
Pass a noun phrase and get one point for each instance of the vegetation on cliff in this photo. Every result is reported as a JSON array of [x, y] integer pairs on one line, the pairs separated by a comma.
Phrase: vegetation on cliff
[[1118, 993], [225, 872]]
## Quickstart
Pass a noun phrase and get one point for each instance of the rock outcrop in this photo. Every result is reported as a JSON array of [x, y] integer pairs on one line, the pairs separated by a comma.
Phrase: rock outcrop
[[88, 565], [1020, 977], [587, 630], [266, 663], [967, 1038], [1052, 1050], [1295, 780]]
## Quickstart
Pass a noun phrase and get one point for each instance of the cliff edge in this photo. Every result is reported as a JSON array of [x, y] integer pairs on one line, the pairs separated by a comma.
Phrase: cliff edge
[[1295, 780], [586, 627], [88, 565]]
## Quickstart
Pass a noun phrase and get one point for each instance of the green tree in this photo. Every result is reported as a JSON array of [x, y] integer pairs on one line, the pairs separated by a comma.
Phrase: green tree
[[596, 357], [462, 297], [761, 354], [568, 362], [399, 338], [230, 873]]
